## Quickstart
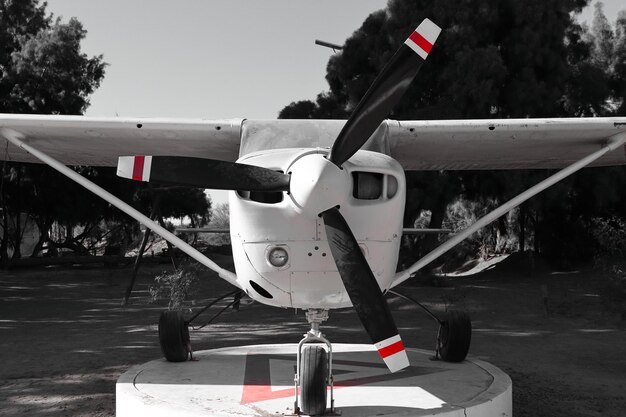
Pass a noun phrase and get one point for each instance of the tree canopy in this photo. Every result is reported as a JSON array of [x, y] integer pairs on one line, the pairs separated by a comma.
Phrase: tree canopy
[[43, 68]]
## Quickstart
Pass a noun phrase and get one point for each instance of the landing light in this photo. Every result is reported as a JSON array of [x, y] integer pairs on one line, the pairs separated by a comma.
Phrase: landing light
[[278, 257]]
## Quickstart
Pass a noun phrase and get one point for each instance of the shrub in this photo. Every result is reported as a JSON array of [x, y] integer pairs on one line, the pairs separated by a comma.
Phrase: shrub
[[174, 286]]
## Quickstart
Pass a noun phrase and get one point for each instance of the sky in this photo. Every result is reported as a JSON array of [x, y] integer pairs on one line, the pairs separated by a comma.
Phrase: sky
[[611, 8], [213, 58], [216, 59]]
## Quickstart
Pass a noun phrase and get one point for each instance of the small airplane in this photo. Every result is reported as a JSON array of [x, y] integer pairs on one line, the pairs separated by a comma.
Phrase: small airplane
[[317, 205]]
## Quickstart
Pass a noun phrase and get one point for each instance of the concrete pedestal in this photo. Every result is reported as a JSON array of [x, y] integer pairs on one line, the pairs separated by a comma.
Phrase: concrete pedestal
[[258, 381]]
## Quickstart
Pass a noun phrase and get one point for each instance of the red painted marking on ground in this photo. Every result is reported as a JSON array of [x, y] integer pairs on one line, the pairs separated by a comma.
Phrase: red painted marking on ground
[[138, 168], [421, 41], [258, 393], [257, 385], [391, 349]]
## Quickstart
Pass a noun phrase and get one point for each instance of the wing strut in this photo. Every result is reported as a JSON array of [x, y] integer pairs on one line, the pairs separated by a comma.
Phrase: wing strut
[[612, 144], [16, 138]]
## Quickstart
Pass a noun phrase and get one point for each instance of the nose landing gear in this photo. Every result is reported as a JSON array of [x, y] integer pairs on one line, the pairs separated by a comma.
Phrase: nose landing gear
[[314, 371]]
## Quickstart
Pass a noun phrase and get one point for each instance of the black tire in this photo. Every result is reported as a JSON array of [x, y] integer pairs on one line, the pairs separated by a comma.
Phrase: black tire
[[455, 335], [313, 380], [173, 336]]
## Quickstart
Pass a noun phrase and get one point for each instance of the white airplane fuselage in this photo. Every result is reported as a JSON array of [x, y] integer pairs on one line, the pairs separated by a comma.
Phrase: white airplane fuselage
[[370, 191]]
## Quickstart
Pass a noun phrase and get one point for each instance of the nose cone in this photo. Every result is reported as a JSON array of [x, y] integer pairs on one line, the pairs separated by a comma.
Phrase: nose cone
[[317, 184]]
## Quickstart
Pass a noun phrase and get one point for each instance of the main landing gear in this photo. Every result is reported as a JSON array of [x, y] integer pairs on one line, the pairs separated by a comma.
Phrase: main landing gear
[[174, 336], [314, 371], [454, 335], [174, 329]]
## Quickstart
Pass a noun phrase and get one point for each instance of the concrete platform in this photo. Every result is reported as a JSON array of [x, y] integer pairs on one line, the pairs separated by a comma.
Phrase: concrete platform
[[258, 381]]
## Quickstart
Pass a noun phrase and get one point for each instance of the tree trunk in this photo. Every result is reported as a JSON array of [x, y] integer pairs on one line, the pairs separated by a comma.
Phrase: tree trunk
[[502, 232], [69, 233], [522, 228], [193, 226], [536, 237], [44, 236], [17, 237], [4, 244]]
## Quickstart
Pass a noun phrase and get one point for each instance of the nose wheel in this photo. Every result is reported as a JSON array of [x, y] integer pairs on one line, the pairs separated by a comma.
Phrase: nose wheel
[[314, 369], [313, 380]]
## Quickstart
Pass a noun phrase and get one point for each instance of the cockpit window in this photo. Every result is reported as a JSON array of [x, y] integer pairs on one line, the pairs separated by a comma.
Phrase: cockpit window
[[373, 186], [367, 185], [392, 186]]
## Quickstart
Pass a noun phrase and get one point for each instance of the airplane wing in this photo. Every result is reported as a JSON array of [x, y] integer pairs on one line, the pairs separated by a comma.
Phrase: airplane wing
[[417, 145], [502, 143], [79, 140]]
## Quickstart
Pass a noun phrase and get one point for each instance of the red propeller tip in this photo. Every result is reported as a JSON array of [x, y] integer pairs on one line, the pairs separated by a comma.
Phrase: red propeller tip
[[393, 353], [422, 39]]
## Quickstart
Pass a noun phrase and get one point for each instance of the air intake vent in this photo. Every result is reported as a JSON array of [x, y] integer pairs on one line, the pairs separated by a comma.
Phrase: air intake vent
[[262, 291]]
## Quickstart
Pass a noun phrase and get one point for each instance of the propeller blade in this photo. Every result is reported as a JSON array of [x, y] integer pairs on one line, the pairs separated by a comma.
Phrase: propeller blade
[[387, 89], [363, 290], [200, 172]]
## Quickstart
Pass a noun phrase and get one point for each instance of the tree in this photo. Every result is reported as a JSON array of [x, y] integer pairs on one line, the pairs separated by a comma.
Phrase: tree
[[220, 219], [17, 19], [602, 37], [42, 70], [618, 81]]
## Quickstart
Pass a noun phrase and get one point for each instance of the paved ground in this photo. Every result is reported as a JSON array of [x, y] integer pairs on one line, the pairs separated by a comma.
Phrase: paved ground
[[64, 339]]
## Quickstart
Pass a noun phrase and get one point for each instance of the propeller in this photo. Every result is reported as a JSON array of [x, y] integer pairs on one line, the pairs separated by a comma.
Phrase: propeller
[[319, 186], [387, 89], [201, 172]]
